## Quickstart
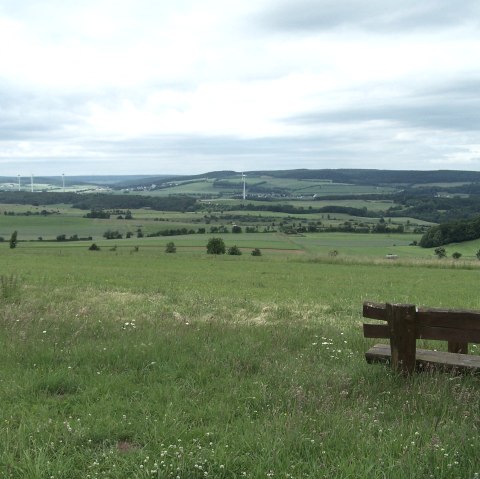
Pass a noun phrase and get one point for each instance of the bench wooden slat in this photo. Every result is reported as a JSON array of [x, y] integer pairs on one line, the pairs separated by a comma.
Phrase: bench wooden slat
[[374, 310], [376, 331], [425, 332], [425, 357], [448, 334], [445, 318]]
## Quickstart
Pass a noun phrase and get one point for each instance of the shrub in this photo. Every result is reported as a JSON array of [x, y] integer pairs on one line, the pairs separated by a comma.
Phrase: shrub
[[456, 255], [94, 247], [170, 248], [256, 252], [440, 252], [236, 229], [234, 251], [13, 240], [477, 254], [109, 234], [333, 253], [215, 246]]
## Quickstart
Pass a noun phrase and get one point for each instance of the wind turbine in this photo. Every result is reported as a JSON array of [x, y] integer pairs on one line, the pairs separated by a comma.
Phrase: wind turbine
[[31, 182], [244, 186], [63, 181], [18, 182]]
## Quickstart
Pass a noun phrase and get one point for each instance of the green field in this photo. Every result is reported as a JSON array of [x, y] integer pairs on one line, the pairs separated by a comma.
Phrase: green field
[[294, 187], [143, 364], [129, 362]]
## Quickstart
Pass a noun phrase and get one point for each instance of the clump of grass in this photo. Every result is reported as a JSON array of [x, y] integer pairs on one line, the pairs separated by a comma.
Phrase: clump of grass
[[9, 288]]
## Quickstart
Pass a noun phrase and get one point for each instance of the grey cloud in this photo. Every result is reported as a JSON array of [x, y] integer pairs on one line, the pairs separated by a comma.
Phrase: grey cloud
[[372, 15], [451, 106]]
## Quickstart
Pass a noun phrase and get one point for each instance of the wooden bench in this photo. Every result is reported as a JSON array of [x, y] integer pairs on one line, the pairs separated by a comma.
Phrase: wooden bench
[[406, 323]]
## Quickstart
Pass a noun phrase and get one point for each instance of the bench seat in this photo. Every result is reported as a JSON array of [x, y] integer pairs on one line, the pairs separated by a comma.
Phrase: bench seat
[[426, 358]]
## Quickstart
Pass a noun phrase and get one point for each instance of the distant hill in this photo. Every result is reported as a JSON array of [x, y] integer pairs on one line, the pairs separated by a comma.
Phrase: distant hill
[[374, 177]]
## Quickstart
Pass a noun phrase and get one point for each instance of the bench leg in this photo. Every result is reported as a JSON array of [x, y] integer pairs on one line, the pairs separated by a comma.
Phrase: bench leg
[[457, 347], [402, 322]]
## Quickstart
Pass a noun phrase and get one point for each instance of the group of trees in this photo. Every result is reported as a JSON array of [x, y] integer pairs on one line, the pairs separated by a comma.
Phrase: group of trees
[[217, 246], [446, 233]]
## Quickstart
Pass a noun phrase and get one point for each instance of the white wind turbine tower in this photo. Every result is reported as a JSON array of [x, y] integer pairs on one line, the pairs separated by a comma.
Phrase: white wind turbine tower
[[18, 182], [63, 181], [31, 182], [244, 186]]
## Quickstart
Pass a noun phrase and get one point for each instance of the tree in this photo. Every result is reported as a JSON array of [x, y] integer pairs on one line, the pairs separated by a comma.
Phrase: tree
[[440, 252], [13, 240], [93, 247], [477, 254], [170, 248], [256, 252], [109, 234], [456, 255], [234, 251], [215, 246], [236, 229]]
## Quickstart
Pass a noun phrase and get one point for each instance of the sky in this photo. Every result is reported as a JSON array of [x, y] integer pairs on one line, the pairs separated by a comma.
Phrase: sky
[[188, 86]]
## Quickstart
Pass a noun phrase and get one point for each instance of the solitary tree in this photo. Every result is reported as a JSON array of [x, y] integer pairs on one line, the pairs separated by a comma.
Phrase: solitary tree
[[170, 248], [477, 254], [456, 255], [234, 251], [13, 240], [215, 246], [256, 252], [440, 252]]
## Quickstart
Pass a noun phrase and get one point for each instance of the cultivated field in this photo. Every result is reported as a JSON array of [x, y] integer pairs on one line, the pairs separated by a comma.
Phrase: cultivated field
[[143, 364]]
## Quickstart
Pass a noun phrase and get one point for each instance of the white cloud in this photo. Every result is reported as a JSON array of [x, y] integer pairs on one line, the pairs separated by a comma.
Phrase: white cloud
[[76, 74]]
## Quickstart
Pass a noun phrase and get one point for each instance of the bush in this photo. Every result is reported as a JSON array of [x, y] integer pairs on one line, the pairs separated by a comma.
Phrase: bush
[[440, 252], [236, 229], [170, 248], [94, 247], [109, 234], [456, 255], [234, 251], [13, 240], [256, 252], [215, 246]]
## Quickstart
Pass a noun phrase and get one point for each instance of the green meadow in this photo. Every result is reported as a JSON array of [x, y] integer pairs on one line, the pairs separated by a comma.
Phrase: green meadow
[[135, 363]]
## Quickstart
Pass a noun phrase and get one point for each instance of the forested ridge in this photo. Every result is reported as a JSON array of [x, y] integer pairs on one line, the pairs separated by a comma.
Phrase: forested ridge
[[455, 232], [99, 201]]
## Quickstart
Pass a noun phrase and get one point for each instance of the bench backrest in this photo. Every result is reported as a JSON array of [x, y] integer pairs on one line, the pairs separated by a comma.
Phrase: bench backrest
[[406, 323]]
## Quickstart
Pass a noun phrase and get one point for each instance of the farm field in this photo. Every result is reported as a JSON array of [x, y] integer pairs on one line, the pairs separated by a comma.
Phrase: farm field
[[234, 186], [125, 364]]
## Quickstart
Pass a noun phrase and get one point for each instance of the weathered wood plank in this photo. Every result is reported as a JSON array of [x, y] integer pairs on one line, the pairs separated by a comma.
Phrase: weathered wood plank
[[374, 310], [376, 331], [448, 334], [445, 318], [402, 323], [426, 358], [426, 332]]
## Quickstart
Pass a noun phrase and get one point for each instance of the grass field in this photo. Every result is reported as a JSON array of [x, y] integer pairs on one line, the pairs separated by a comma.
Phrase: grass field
[[295, 187], [148, 365]]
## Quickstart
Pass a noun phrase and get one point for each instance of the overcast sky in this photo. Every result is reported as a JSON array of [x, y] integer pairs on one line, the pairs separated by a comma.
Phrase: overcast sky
[[188, 86]]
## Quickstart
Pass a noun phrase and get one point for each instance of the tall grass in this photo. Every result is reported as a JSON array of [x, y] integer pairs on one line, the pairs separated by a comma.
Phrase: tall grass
[[159, 366]]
